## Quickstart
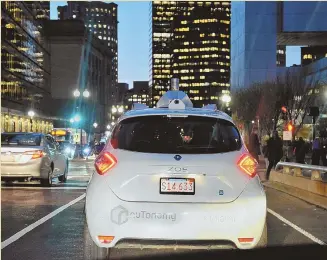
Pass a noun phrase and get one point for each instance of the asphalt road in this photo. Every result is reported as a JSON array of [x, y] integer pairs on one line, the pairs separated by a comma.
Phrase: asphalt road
[[49, 223]]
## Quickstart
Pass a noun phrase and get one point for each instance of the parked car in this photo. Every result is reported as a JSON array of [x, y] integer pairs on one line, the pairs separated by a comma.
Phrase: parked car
[[32, 156]]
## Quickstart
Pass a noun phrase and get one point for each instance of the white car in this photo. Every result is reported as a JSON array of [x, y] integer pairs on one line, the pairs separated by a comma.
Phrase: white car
[[176, 175]]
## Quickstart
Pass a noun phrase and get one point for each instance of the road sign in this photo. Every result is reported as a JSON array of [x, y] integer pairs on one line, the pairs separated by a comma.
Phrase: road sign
[[287, 135]]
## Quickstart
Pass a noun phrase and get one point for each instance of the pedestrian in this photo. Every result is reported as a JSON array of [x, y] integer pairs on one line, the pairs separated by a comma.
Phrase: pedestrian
[[316, 149], [264, 148], [274, 151], [254, 144], [300, 150], [323, 151]]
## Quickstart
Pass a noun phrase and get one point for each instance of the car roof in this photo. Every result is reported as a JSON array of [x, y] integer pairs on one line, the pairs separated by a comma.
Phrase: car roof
[[187, 111]]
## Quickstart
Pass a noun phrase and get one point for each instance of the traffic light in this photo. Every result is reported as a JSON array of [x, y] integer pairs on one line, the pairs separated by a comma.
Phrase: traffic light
[[284, 109], [290, 127], [284, 112]]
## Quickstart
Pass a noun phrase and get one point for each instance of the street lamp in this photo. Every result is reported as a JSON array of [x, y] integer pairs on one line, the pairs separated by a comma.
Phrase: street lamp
[[31, 113], [112, 123], [120, 109], [86, 93], [77, 118], [76, 93], [108, 127], [95, 125], [226, 98]]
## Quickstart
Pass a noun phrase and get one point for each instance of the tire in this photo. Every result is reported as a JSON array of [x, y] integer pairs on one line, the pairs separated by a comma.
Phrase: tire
[[63, 178], [91, 250], [48, 182], [263, 242]]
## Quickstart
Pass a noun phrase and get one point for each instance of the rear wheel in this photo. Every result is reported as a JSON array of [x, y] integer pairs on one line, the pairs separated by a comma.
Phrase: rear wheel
[[91, 250], [63, 178], [47, 182], [264, 237]]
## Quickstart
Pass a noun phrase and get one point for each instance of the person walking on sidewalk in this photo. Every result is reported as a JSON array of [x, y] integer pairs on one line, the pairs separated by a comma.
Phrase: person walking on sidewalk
[[300, 150], [264, 148], [274, 152], [316, 149], [254, 145], [323, 152]]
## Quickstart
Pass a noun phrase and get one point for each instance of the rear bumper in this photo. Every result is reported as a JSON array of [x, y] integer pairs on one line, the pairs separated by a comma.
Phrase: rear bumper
[[218, 224], [32, 169]]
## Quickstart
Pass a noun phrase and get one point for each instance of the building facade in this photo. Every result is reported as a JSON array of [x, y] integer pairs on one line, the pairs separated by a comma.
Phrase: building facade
[[122, 92], [25, 67], [261, 31], [101, 19], [311, 54], [80, 61], [138, 94], [190, 41]]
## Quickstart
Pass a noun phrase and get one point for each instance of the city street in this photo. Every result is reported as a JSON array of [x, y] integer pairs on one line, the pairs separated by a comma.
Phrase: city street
[[49, 223]]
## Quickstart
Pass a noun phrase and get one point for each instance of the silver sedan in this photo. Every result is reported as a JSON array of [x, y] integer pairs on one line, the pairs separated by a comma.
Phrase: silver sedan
[[28, 156]]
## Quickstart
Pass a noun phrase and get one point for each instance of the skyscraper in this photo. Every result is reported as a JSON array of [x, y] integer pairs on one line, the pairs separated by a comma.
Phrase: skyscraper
[[190, 41], [261, 31], [25, 67], [101, 19]]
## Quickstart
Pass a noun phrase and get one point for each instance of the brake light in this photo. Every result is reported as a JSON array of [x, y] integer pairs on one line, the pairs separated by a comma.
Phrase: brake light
[[106, 239], [248, 164], [35, 154], [114, 143], [105, 162], [245, 239]]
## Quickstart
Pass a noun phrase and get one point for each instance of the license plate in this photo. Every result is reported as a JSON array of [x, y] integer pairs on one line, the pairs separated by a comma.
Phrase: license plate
[[182, 186]]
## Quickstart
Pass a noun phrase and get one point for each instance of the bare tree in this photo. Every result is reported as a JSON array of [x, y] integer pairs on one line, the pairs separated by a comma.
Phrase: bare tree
[[264, 101]]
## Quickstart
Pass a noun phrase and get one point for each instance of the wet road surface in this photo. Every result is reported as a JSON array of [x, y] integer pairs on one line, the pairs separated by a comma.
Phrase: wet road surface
[[56, 222]]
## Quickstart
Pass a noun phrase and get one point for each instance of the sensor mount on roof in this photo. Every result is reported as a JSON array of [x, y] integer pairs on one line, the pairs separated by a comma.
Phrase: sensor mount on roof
[[139, 106], [210, 107], [174, 99]]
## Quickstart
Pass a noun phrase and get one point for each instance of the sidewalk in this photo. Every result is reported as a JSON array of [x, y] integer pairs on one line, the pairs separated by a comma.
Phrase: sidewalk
[[304, 195]]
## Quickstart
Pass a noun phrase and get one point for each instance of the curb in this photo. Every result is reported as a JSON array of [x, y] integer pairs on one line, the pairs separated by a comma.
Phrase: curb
[[304, 195]]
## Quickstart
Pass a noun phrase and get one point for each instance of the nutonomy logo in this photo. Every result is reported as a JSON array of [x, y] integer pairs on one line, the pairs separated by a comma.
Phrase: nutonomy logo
[[120, 215]]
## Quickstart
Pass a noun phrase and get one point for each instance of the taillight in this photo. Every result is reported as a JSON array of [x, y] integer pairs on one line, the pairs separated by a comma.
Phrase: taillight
[[35, 154], [114, 143], [248, 164], [105, 162]]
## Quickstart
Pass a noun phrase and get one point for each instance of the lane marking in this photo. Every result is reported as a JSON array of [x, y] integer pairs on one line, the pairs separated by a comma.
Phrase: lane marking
[[297, 228], [29, 228], [43, 188]]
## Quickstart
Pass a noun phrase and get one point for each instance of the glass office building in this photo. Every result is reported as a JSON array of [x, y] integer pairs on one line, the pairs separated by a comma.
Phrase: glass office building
[[190, 41], [261, 30], [25, 65]]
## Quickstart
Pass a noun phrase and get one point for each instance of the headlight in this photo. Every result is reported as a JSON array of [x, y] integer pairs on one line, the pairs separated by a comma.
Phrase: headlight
[[67, 150], [86, 150]]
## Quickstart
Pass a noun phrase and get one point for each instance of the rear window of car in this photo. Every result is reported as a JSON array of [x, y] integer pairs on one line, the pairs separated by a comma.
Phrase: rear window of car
[[21, 139], [171, 135]]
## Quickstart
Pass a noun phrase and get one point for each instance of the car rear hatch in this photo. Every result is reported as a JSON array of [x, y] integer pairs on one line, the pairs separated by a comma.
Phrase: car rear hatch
[[20, 148], [155, 151]]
